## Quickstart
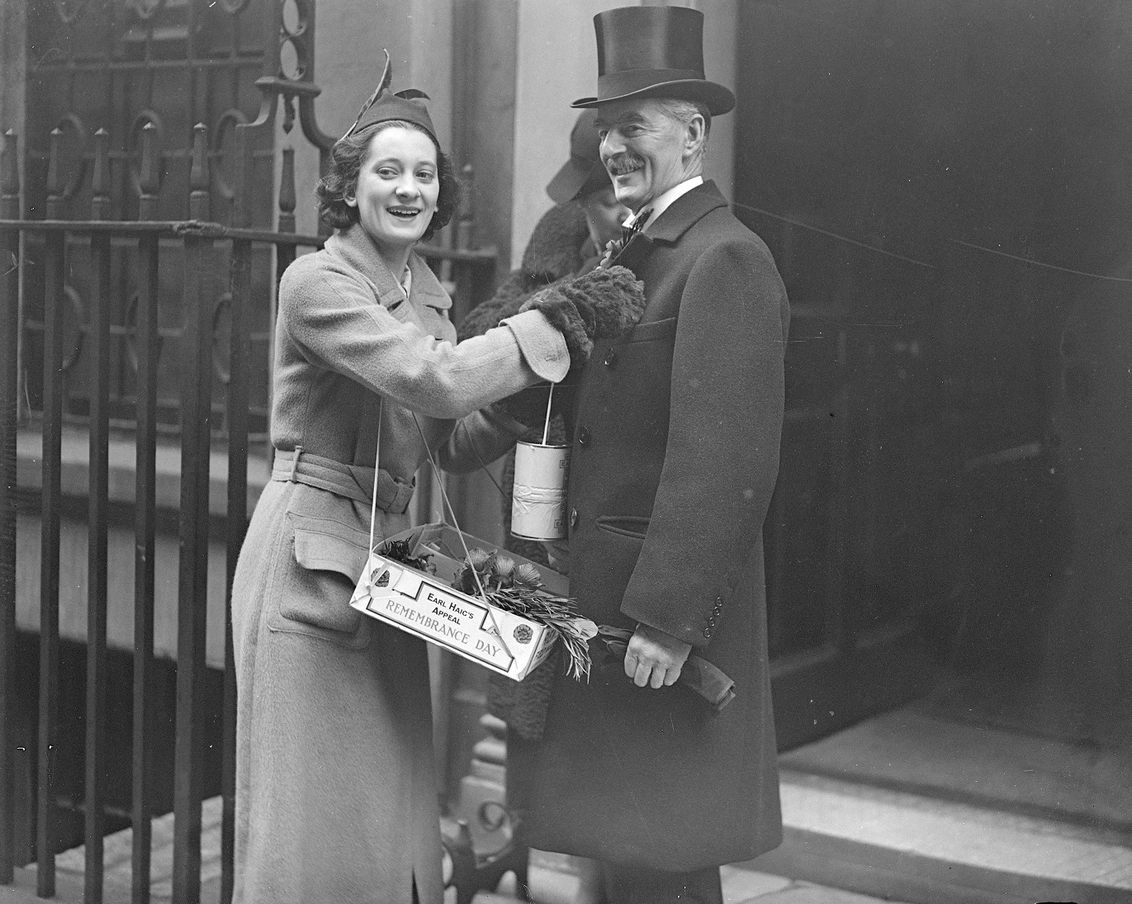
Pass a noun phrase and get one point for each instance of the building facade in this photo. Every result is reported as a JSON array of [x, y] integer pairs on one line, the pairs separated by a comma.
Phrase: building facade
[[946, 191]]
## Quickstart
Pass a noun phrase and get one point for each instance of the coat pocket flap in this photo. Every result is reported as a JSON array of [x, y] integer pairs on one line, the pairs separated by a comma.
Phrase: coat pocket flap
[[652, 330], [625, 525], [322, 545]]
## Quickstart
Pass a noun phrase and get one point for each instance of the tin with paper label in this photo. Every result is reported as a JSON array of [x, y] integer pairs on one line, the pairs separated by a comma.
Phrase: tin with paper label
[[538, 500]]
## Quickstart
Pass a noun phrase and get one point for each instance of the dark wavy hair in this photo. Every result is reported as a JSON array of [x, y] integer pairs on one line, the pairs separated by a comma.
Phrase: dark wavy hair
[[341, 179]]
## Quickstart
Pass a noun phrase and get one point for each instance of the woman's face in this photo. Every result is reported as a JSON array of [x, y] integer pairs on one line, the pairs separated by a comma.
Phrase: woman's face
[[604, 216], [397, 187]]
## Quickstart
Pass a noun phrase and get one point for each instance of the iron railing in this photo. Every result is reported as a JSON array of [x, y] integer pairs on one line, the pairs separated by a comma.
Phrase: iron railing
[[146, 358], [139, 246]]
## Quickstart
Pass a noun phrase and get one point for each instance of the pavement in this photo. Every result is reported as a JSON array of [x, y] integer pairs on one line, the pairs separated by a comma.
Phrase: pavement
[[552, 882], [551, 877]]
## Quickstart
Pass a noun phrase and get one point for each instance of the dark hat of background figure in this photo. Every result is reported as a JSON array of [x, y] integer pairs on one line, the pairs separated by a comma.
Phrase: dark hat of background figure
[[583, 172], [653, 51], [384, 105]]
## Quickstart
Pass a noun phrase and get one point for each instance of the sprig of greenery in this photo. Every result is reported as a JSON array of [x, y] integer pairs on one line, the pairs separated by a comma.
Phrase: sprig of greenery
[[519, 589], [516, 588]]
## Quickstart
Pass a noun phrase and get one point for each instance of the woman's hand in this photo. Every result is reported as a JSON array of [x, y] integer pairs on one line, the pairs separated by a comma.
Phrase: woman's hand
[[655, 658]]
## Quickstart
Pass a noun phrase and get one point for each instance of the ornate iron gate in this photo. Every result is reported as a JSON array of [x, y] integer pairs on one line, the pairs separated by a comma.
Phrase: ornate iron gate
[[148, 72]]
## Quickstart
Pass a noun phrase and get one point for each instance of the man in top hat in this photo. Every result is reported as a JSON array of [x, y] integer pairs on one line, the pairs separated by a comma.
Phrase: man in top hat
[[673, 462]]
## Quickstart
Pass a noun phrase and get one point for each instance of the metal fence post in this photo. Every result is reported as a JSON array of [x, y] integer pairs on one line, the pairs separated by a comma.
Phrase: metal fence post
[[9, 420], [54, 300], [98, 529], [145, 522], [196, 418]]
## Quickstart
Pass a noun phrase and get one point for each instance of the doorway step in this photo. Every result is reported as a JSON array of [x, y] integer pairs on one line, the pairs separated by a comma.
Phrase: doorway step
[[920, 806]]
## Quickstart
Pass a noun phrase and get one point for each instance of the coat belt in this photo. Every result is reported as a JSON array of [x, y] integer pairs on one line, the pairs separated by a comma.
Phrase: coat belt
[[351, 481]]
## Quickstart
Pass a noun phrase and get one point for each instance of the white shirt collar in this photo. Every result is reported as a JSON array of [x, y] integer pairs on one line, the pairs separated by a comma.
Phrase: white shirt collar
[[665, 200]]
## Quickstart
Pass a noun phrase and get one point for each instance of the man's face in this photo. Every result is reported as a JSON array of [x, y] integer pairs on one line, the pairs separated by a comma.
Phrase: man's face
[[644, 149]]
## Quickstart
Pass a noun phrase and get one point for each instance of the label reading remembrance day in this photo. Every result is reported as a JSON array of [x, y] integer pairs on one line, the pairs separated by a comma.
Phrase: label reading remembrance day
[[452, 621]]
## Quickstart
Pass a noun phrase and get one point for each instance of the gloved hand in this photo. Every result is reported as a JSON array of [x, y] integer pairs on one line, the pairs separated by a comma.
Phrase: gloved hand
[[528, 406], [603, 304]]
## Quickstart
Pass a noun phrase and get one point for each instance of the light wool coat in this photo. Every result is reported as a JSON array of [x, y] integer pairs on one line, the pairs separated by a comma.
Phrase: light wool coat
[[335, 783]]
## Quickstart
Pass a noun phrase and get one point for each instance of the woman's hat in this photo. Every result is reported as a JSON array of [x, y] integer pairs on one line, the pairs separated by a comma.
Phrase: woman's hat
[[383, 105], [653, 51], [583, 172]]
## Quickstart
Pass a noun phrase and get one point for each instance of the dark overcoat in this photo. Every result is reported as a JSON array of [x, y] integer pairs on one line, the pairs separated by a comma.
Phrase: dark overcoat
[[674, 459]]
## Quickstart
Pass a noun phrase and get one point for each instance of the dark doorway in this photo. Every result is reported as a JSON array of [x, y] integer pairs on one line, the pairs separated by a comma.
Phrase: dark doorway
[[946, 190]]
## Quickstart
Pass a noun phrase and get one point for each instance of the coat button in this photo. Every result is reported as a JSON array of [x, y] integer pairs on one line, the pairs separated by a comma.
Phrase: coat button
[[707, 632], [573, 516], [610, 357], [584, 436]]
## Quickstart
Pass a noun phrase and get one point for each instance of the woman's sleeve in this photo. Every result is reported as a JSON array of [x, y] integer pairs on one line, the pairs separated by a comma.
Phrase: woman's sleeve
[[331, 317], [479, 439]]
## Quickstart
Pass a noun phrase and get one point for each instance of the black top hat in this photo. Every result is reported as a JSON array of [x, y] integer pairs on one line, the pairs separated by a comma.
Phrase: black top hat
[[583, 172], [653, 51], [383, 105]]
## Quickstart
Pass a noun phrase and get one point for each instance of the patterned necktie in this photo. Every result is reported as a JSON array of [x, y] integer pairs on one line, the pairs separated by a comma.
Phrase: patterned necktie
[[627, 232]]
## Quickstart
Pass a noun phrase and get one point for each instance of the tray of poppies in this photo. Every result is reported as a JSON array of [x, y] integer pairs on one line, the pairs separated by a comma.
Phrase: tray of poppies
[[459, 592]]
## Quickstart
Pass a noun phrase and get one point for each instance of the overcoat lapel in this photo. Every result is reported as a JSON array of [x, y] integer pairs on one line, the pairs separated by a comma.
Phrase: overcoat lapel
[[685, 212], [634, 253]]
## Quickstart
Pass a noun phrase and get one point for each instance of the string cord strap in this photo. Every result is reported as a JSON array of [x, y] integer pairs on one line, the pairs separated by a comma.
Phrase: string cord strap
[[376, 472], [447, 502]]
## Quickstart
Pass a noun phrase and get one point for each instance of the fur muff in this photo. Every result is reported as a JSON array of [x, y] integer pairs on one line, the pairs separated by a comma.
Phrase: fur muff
[[558, 247], [602, 304]]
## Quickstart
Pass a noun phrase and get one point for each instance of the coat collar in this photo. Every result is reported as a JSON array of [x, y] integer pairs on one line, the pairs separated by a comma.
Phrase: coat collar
[[666, 229], [660, 204], [685, 212], [356, 249]]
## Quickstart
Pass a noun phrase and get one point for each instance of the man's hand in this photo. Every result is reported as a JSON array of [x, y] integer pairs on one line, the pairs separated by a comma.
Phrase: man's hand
[[655, 658]]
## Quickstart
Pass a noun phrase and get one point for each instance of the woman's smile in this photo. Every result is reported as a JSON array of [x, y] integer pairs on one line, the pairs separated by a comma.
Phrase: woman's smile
[[404, 213]]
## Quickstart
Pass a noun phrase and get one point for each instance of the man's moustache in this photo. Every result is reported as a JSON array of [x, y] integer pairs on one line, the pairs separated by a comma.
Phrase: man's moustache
[[622, 161]]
